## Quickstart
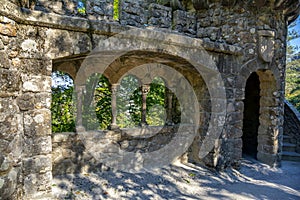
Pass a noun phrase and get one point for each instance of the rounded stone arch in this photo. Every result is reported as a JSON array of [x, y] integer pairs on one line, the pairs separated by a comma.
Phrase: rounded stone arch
[[147, 72], [263, 108], [138, 79], [176, 50], [70, 67], [253, 66]]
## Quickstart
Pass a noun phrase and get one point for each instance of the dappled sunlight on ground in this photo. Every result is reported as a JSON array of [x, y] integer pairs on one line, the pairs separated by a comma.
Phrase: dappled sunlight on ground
[[253, 181]]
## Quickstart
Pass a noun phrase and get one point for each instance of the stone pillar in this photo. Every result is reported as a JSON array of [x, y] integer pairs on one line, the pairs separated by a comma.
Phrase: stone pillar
[[145, 90], [114, 89], [37, 145], [79, 105], [169, 95]]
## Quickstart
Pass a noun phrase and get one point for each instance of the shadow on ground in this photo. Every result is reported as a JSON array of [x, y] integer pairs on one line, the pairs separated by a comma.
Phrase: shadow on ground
[[253, 181]]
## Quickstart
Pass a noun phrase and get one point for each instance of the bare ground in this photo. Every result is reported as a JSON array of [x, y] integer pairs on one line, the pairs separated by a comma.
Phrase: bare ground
[[253, 181]]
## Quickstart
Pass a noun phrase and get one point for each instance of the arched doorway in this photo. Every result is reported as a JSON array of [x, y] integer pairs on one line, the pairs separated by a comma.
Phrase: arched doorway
[[251, 116], [261, 122]]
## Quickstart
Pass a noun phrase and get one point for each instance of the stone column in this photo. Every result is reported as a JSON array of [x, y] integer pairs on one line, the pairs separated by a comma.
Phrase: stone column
[[169, 95], [114, 89], [145, 90], [79, 92]]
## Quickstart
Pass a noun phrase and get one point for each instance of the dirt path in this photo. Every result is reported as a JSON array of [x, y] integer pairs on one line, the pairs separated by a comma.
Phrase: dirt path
[[253, 181]]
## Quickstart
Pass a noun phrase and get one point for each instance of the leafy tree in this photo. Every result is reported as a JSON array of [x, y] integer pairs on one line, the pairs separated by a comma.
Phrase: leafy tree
[[97, 103], [156, 114], [292, 89], [116, 9], [130, 102], [62, 107]]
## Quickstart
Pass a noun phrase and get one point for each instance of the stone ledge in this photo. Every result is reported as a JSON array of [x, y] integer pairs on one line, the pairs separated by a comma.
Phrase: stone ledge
[[51, 20], [293, 109]]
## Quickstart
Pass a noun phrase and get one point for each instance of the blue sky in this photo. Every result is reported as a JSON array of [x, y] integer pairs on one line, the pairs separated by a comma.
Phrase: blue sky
[[297, 28]]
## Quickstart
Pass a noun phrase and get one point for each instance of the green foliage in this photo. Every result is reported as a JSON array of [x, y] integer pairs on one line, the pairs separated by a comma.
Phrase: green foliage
[[116, 9], [129, 102], [62, 108], [292, 87], [97, 103], [102, 98], [156, 114]]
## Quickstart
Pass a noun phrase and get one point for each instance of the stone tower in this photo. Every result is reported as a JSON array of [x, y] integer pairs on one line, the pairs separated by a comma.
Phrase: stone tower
[[231, 52]]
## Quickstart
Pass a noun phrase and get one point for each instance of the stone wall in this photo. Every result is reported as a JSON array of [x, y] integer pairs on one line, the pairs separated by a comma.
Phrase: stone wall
[[225, 40], [95, 151], [25, 139], [70, 156], [292, 124]]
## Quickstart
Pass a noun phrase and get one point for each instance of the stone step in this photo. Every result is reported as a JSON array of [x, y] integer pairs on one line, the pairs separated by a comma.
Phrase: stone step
[[288, 147], [290, 156], [287, 138]]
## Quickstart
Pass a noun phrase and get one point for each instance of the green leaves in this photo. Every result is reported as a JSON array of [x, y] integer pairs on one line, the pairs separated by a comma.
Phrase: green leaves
[[97, 103], [130, 103], [96, 112], [156, 113], [116, 9], [62, 110], [292, 87]]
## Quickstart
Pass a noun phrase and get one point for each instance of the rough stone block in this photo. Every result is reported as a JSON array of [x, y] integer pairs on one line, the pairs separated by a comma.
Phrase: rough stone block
[[33, 83], [10, 126], [36, 66], [61, 43], [3, 146], [4, 61], [160, 16], [132, 6], [37, 123], [130, 13], [100, 10], [62, 137], [26, 102], [8, 183], [1, 44], [7, 107], [5, 164], [8, 29], [50, 6], [42, 100], [34, 101], [184, 22], [9, 80], [37, 146], [36, 185], [37, 164]]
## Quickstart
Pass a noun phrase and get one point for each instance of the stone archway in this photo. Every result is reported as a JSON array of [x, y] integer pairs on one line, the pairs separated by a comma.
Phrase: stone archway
[[262, 131], [114, 56], [251, 115], [269, 134]]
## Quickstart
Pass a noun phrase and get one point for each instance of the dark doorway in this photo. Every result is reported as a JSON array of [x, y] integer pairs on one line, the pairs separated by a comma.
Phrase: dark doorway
[[251, 116]]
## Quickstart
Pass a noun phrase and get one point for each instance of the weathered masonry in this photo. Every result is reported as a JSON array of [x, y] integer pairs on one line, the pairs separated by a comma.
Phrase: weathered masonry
[[232, 54]]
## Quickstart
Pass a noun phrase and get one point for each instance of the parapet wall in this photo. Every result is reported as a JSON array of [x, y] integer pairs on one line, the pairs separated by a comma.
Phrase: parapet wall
[[94, 151], [292, 124], [239, 38]]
